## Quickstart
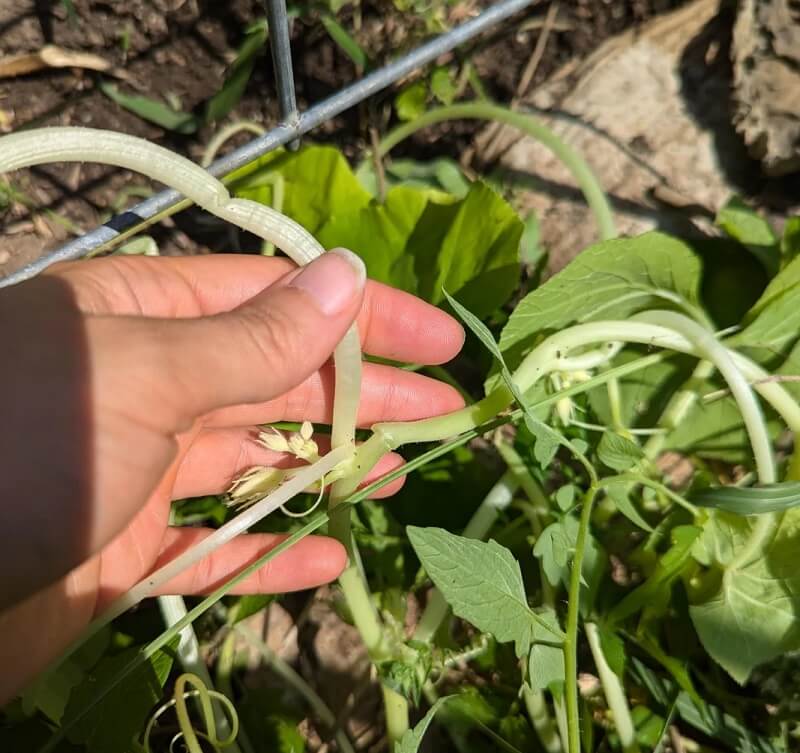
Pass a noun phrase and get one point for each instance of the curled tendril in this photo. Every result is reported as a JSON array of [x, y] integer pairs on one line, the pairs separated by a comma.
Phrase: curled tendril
[[187, 733]]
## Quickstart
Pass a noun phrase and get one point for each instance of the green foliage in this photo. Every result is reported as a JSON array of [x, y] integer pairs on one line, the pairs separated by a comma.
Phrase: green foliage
[[417, 239], [609, 280], [752, 231], [411, 740], [746, 612], [483, 584], [619, 453], [122, 713]]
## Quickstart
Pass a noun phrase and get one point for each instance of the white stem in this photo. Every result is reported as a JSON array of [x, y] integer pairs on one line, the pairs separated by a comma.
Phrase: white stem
[[709, 348], [229, 531], [45, 145], [614, 692]]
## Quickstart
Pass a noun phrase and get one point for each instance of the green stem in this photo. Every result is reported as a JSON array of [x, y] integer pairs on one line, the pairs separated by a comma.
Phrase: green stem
[[573, 612], [396, 708], [584, 177], [678, 408], [287, 673], [614, 692]]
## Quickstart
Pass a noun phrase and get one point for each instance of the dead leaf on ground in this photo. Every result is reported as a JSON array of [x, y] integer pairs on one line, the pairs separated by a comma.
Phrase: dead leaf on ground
[[52, 56]]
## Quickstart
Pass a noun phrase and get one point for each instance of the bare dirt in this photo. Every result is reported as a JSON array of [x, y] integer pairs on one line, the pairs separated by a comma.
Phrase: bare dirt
[[178, 51]]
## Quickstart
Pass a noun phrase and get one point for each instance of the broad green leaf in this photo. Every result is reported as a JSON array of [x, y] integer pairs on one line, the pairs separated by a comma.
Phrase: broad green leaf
[[410, 103], [546, 662], [619, 494], [752, 500], [657, 586], [318, 183], [747, 614], [238, 74], [609, 280], [469, 248], [545, 446], [618, 453], [743, 224], [151, 109], [410, 741], [482, 582], [441, 176], [380, 234], [774, 320], [613, 649], [122, 713], [565, 497], [345, 41]]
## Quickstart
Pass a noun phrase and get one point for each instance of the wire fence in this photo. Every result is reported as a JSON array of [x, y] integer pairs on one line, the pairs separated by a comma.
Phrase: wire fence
[[293, 125]]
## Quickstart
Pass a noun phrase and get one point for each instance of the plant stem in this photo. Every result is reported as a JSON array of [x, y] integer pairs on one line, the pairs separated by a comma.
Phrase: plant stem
[[542, 722], [571, 639], [614, 692], [584, 177], [396, 708], [678, 408], [287, 673]]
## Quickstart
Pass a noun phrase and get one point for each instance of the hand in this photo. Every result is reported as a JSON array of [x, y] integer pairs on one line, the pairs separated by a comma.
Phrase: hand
[[128, 382]]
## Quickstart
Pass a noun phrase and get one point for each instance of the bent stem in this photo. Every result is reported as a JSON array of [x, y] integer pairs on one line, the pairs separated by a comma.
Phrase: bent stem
[[584, 177], [571, 639], [614, 692]]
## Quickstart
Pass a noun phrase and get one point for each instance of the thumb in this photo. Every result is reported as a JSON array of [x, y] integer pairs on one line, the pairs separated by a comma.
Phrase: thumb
[[269, 344]]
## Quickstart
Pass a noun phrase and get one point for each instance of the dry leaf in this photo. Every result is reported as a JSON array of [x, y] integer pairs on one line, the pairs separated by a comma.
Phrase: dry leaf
[[51, 56]]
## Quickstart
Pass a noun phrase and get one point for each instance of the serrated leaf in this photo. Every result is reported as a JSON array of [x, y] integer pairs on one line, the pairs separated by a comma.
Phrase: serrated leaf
[[122, 713], [410, 741], [482, 583], [619, 494], [747, 614], [619, 453], [609, 280], [554, 547]]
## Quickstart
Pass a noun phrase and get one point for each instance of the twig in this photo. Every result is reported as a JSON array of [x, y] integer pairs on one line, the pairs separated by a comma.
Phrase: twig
[[377, 160]]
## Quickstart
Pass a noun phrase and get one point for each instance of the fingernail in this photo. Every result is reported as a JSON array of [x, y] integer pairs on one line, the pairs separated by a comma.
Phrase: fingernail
[[333, 280]]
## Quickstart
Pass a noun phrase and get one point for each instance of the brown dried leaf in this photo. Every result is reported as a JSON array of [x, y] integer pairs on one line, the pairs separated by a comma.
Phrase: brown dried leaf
[[52, 56]]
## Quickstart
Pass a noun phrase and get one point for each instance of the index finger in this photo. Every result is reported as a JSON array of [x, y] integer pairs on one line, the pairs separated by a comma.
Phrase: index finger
[[393, 324]]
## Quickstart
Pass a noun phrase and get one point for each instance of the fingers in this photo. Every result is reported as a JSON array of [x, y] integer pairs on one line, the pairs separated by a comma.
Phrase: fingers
[[311, 562], [393, 324], [217, 456], [184, 368], [387, 394]]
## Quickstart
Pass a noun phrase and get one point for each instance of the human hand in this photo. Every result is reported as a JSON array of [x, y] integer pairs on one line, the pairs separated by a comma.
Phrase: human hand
[[130, 381]]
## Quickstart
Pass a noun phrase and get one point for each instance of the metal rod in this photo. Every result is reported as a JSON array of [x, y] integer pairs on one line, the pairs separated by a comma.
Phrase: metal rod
[[282, 134], [280, 45]]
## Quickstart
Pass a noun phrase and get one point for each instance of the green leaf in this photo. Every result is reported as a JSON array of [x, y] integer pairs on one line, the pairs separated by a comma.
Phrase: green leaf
[[123, 712], [318, 183], [774, 319], [530, 248], [790, 242], [619, 494], [150, 109], [565, 497], [247, 606], [747, 614], [744, 225], [554, 547], [613, 649], [546, 662], [482, 582], [237, 76], [411, 740], [609, 280], [752, 500], [346, 43], [410, 103], [407, 675], [619, 453], [658, 585], [443, 87], [546, 445]]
